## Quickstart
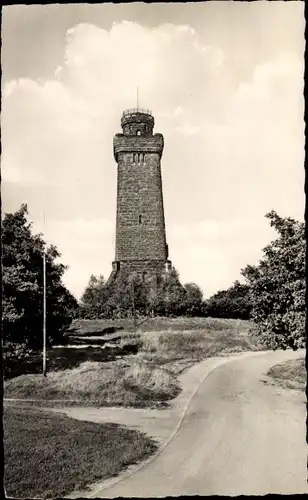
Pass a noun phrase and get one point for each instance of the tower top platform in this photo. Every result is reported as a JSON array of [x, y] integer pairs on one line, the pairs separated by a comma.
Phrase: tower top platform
[[137, 121], [134, 111]]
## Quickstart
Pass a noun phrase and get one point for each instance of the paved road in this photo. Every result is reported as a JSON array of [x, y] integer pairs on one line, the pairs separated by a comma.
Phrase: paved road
[[239, 436]]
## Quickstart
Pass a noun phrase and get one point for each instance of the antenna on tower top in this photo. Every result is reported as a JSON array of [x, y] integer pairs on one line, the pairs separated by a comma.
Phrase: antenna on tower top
[[137, 98]]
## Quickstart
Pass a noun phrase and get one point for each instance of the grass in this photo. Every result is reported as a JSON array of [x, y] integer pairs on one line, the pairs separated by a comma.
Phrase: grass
[[49, 455], [189, 340], [60, 358], [89, 327], [290, 374], [100, 384], [86, 327], [147, 379]]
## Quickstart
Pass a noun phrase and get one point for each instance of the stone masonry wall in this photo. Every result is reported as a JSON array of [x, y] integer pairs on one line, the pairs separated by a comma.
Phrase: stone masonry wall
[[135, 144], [140, 230]]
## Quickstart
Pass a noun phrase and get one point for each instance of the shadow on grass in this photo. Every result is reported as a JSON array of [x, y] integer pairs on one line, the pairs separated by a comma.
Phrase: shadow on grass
[[63, 358], [96, 327]]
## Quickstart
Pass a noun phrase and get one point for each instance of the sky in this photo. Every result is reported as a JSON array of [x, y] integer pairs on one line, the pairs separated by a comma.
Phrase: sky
[[224, 81]]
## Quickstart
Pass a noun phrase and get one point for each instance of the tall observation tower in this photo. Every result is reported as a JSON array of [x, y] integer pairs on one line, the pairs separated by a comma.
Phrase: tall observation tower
[[141, 245]]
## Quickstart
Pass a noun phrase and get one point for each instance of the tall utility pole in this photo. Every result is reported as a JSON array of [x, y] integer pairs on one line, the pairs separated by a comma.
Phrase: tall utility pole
[[44, 316], [133, 305]]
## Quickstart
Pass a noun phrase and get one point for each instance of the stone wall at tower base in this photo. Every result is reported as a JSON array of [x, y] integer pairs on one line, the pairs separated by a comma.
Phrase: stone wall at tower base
[[147, 269]]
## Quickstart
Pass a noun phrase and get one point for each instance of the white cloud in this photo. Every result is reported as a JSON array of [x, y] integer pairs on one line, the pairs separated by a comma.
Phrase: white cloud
[[234, 147]]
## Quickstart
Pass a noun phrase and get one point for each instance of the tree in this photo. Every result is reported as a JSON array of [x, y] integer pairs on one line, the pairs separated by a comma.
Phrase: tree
[[125, 293], [22, 286], [169, 297], [277, 286], [165, 297], [193, 301], [93, 299], [115, 299], [231, 303]]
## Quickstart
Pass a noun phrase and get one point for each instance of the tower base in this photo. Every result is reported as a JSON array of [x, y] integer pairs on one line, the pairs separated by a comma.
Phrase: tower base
[[147, 269]]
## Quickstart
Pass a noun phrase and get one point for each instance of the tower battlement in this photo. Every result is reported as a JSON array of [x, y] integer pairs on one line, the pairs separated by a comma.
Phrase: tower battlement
[[134, 111], [137, 122], [142, 144]]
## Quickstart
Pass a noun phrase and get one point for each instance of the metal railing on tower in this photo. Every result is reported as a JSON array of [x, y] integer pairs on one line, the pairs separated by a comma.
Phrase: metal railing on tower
[[133, 111]]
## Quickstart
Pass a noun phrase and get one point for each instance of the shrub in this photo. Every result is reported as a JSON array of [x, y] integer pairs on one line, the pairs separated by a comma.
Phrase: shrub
[[12, 354], [233, 303], [278, 288]]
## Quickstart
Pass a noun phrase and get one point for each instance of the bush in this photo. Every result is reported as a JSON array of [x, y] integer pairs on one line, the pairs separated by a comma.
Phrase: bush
[[13, 354], [278, 287], [233, 303]]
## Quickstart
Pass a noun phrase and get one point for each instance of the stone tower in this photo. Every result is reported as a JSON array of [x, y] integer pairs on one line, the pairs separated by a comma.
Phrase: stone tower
[[140, 224]]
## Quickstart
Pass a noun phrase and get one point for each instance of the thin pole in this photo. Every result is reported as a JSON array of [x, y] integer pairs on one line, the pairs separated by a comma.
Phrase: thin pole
[[44, 316], [137, 98], [133, 304]]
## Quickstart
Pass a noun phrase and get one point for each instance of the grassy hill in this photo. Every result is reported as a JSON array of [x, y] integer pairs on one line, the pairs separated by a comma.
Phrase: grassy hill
[[163, 348]]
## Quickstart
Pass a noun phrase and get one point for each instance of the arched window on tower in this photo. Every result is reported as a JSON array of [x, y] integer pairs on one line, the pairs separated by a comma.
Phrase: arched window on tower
[[138, 132]]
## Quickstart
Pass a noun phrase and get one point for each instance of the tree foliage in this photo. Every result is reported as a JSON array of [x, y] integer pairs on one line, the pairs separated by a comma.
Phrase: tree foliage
[[231, 303], [22, 286], [278, 288], [166, 297], [93, 298], [115, 299]]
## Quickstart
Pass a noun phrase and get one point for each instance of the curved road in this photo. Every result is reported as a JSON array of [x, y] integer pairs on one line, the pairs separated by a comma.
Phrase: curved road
[[240, 435]]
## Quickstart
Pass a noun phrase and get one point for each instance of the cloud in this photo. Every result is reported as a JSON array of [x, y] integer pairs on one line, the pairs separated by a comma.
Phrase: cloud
[[64, 127], [234, 147]]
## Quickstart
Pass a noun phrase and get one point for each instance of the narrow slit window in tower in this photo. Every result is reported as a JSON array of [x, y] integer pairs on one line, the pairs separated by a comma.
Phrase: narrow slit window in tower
[[140, 219]]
